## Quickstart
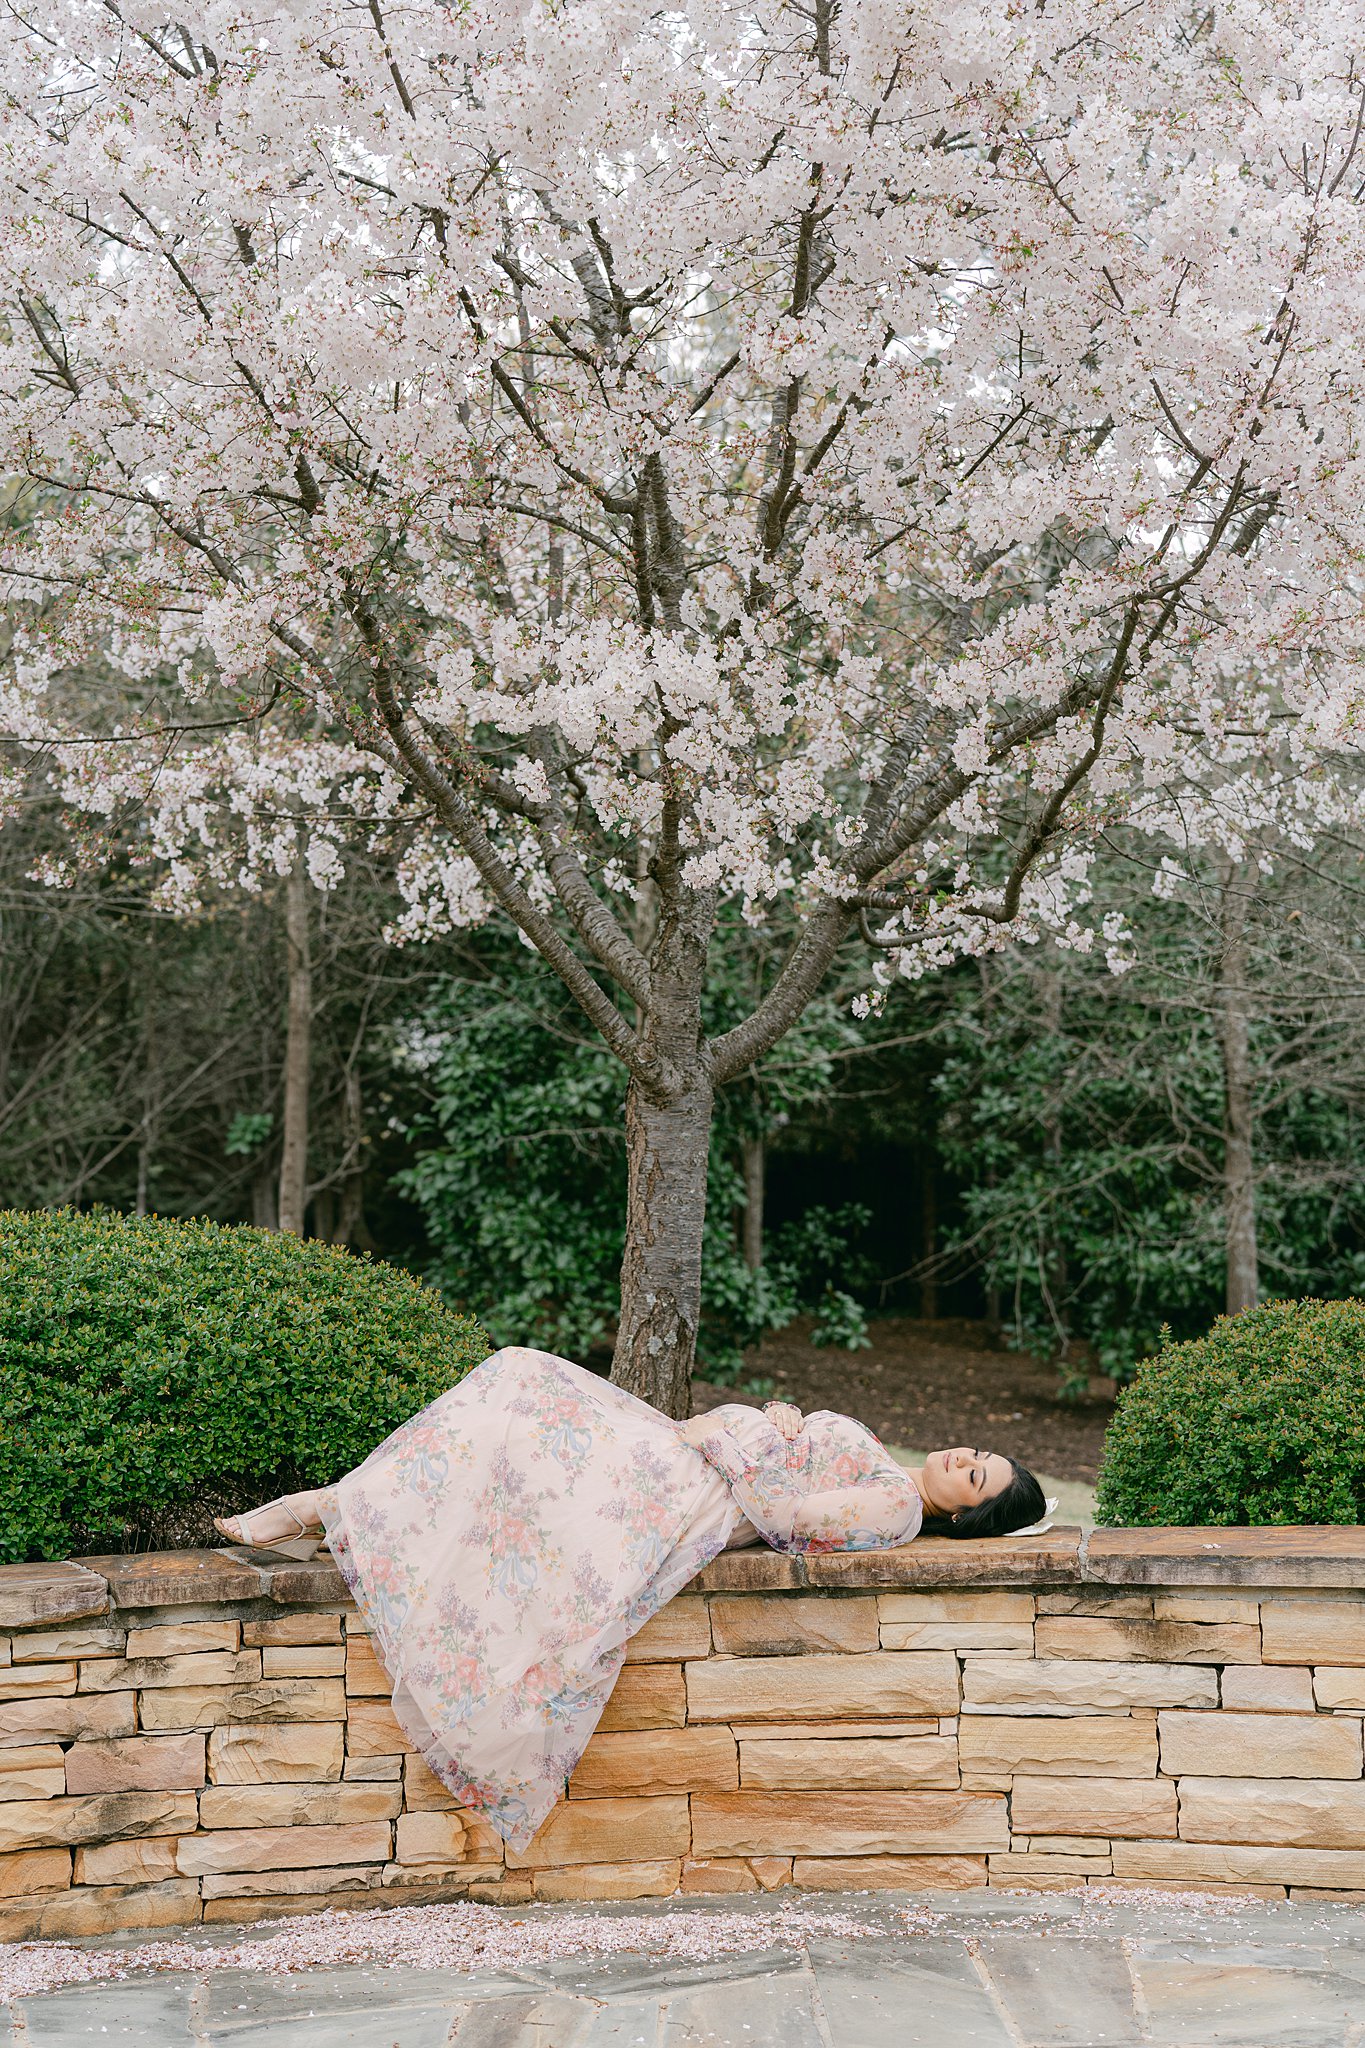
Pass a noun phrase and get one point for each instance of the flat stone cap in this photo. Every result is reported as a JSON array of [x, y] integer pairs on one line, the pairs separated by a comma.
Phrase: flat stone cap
[[314, 1582], [1047, 1560], [1304, 1555], [32, 1593], [755, 1570], [1052, 1559], [176, 1578], [1301, 1555]]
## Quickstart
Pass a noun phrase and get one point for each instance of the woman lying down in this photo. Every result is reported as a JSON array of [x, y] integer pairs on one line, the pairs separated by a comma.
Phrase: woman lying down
[[506, 1543]]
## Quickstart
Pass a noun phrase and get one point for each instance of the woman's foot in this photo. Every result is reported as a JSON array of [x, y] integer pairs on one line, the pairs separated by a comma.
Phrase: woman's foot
[[291, 1524]]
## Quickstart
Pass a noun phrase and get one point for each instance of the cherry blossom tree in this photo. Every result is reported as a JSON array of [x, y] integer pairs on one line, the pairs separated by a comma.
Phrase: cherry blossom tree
[[834, 458]]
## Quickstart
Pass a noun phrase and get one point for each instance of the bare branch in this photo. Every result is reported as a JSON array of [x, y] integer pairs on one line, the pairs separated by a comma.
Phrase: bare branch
[[406, 754], [797, 983]]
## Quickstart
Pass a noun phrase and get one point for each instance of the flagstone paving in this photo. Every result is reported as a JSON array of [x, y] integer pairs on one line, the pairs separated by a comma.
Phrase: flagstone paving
[[988, 1971]]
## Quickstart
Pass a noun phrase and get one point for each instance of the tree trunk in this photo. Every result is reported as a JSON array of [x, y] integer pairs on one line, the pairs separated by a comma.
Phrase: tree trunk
[[666, 1160], [1239, 1166], [995, 1307], [297, 1055], [265, 1211], [351, 1227], [755, 1160], [151, 1080], [928, 1286], [1054, 1276], [146, 1137]]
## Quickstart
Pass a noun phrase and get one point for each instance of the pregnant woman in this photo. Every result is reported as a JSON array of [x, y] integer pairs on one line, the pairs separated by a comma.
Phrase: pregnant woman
[[506, 1543]]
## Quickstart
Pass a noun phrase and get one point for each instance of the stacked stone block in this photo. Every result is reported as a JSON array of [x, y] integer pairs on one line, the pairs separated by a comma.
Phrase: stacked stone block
[[207, 1736]]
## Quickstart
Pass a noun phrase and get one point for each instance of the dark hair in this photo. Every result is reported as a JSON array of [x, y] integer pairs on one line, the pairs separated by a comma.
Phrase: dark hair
[[1014, 1507]]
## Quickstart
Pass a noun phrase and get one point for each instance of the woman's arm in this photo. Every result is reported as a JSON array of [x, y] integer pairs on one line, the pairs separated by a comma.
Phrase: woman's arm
[[782, 1416], [869, 1515], [786, 1418]]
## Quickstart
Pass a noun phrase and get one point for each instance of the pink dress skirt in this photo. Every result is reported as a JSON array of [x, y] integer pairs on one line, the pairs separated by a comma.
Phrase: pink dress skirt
[[506, 1543], [503, 1546]]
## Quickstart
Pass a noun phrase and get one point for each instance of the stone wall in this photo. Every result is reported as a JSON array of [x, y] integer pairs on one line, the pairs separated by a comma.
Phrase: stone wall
[[206, 1735]]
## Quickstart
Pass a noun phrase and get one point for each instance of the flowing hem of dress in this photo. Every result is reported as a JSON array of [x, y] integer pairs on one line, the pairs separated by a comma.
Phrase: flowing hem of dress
[[514, 1812], [423, 1738]]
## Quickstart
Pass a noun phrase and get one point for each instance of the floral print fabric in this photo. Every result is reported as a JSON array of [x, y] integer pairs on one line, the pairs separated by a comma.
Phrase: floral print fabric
[[831, 1488], [506, 1543]]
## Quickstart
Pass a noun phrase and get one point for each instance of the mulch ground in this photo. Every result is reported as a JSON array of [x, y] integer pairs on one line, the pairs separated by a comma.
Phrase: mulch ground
[[932, 1385]]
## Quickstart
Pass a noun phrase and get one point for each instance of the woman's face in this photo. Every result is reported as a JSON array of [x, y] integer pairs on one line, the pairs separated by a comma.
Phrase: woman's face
[[963, 1478]]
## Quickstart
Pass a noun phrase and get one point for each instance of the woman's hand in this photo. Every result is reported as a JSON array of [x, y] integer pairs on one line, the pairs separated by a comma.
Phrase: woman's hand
[[785, 1418]]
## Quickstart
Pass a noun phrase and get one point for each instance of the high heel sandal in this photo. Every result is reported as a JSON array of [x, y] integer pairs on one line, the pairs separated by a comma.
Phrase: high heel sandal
[[303, 1546]]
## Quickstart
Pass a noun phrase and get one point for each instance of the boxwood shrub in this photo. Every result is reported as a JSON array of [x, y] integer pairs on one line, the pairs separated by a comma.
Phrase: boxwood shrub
[[154, 1373], [1261, 1421]]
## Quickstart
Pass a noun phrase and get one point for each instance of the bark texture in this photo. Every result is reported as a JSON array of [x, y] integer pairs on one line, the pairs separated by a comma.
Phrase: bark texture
[[265, 1196], [755, 1164], [151, 1109], [1056, 1281], [297, 1055], [666, 1153], [351, 1227], [1239, 1165], [928, 1195]]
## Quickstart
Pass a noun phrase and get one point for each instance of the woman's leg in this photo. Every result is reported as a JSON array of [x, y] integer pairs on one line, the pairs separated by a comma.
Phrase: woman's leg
[[295, 1514]]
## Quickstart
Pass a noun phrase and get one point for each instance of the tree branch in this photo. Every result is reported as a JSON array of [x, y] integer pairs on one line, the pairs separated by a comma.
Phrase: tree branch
[[1041, 831], [590, 916], [797, 983], [406, 755]]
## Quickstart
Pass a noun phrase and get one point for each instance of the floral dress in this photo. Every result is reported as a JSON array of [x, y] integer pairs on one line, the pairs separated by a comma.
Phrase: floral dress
[[506, 1543], [832, 1488]]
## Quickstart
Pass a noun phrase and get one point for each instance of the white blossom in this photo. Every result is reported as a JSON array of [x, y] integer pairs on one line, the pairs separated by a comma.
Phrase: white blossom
[[861, 456]]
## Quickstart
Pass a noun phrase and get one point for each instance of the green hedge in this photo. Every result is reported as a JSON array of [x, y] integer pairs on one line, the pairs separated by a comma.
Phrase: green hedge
[[1262, 1421], [155, 1373]]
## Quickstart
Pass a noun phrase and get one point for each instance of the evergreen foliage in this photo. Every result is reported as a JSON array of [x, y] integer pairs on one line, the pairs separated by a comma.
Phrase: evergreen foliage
[[153, 1373], [1028, 1136], [1081, 1116], [518, 1170], [1261, 1421]]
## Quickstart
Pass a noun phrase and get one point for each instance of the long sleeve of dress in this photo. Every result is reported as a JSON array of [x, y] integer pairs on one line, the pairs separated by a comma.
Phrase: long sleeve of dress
[[832, 1488]]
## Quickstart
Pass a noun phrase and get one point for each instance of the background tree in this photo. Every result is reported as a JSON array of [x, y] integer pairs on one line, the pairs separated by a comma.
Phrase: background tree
[[835, 451], [518, 1166], [145, 1055], [1186, 1163], [1093, 1123]]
